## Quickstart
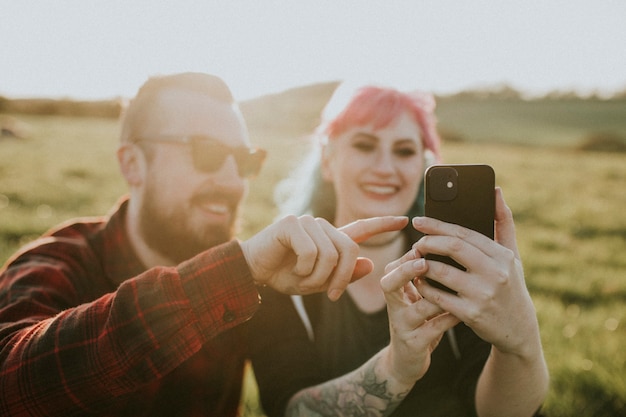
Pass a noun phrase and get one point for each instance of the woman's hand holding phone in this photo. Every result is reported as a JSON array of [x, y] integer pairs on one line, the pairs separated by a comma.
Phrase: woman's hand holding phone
[[490, 294], [416, 324]]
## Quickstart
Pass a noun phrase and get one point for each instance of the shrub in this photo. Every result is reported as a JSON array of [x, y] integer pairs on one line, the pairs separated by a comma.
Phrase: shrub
[[603, 142]]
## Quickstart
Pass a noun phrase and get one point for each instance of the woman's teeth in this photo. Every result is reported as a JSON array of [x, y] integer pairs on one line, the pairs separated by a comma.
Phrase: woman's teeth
[[380, 189]]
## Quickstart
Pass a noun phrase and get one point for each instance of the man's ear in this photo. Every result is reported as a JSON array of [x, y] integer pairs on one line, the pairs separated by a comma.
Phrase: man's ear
[[132, 163]]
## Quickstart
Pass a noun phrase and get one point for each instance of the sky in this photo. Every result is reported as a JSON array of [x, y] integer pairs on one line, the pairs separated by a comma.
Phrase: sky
[[93, 49]]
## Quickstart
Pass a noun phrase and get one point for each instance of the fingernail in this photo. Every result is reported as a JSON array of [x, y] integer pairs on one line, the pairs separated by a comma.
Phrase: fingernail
[[334, 295], [417, 221], [419, 263]]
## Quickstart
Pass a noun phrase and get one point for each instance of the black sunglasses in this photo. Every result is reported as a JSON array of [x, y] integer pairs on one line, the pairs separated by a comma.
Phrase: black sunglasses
[[209, 154]]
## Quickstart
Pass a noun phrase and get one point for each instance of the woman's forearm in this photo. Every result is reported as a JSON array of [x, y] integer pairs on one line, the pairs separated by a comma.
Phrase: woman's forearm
[[512, 385], [370, 390]]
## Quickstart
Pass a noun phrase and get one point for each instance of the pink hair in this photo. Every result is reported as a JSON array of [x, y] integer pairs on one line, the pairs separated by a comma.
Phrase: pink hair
[[380, 106]]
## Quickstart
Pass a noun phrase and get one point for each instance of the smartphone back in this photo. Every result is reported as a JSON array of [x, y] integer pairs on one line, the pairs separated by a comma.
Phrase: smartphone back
[[463, 195]]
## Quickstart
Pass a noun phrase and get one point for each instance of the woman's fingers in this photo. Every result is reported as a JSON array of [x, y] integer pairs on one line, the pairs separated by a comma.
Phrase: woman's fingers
[[412, 254], [395, 280], [505, 226]]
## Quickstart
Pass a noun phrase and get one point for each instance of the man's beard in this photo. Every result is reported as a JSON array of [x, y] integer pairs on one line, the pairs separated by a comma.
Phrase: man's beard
[[170, 234]]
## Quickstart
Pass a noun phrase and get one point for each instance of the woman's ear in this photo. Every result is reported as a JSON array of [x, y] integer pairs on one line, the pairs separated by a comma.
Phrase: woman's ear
[[326, 164], [132, 163]]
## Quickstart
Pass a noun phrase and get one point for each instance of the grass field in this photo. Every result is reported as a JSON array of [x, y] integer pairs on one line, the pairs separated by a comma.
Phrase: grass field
[[568, 207]]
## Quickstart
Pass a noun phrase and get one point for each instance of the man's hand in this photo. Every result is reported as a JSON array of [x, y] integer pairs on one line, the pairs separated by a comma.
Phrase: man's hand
[[303, 255]]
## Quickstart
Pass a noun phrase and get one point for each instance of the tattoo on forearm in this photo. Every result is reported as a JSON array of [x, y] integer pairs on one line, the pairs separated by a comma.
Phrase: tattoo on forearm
[[360, 394]]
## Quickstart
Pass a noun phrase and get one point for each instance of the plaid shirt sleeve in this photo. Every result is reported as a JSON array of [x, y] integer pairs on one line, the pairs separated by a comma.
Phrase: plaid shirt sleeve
[[82, 359]]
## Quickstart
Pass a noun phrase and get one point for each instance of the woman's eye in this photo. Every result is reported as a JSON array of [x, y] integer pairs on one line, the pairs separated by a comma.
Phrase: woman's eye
[[364, 147], [405, 152]]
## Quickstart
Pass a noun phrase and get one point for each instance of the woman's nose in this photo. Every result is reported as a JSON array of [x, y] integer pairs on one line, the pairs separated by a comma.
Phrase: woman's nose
[[383, 162]]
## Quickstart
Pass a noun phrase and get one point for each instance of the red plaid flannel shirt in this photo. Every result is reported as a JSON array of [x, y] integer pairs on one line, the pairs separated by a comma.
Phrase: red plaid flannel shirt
[[167, 341]]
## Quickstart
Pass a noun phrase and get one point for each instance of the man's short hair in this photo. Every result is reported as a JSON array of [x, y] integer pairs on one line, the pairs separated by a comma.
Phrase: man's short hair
[[138, 109]]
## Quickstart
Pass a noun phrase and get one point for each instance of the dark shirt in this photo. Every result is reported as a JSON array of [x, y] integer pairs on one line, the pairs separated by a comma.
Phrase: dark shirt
[[165, 342], [285, 360]]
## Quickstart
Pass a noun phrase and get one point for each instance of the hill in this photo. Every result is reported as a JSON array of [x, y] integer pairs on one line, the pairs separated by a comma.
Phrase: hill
[[492, 115]]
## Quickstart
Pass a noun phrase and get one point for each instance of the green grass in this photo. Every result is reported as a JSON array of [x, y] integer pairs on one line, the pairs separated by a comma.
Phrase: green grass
[[571, 231], [568, 207], [539, 122], [65, 168]]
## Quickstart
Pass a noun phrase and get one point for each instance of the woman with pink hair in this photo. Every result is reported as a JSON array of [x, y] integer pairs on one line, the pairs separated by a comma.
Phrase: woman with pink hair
[[392, 344]]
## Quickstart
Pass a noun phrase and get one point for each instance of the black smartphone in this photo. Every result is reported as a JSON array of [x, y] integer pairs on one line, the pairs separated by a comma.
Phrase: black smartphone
[[463, 195]]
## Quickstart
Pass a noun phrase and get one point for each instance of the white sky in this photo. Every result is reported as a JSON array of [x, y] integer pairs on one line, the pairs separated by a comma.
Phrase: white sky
[[92, 49]]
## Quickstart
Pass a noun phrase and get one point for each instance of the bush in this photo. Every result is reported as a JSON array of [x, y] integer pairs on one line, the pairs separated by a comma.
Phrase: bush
[[603, 142]]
